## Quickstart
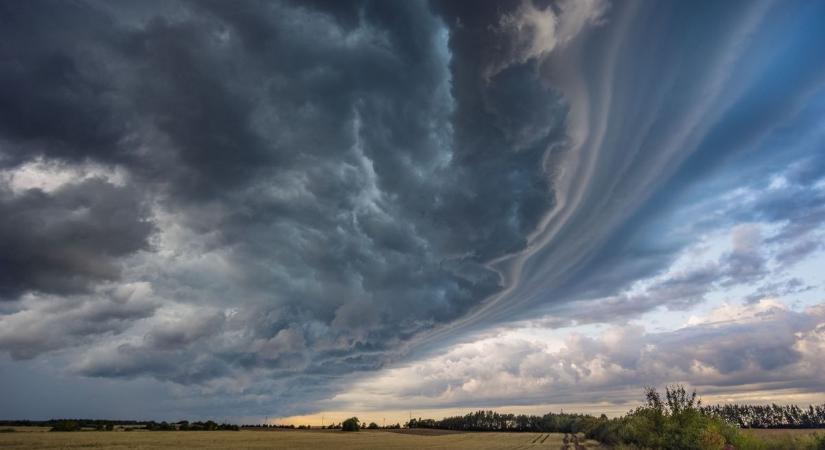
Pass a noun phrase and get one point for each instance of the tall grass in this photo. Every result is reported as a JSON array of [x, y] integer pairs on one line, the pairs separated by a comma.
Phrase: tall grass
[[749, 441]]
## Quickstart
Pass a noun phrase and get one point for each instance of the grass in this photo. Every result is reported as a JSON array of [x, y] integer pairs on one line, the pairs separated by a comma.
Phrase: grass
[[783, 439], [283, 440], [772, 433]]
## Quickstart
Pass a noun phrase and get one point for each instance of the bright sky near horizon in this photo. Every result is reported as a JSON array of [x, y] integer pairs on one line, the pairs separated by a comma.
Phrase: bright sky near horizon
[[300, 211]]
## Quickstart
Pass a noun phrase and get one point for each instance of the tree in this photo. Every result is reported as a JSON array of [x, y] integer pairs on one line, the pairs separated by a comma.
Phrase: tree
[[373, 426], [66, 425], [351, 424]]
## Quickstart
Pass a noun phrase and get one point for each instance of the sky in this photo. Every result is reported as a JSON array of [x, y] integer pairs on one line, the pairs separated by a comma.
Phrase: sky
[[299, 211]]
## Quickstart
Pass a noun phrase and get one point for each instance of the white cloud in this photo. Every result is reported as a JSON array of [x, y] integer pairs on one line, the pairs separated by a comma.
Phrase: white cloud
[[758, 347], [536, 32], [727, 313], [46, 323], [50, 176]]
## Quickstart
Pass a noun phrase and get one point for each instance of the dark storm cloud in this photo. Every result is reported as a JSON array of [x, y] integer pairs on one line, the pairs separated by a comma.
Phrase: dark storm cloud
[[48, 323], [63, 242], [56, 96], [311, 187], [326, 180]]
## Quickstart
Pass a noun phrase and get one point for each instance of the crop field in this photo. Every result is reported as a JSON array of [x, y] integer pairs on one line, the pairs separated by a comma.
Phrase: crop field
[[291, 440], [767, 433]]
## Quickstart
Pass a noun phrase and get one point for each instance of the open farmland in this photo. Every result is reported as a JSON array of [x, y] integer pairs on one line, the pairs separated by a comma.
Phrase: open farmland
[[288, 440], [787, 438], [768, 433]]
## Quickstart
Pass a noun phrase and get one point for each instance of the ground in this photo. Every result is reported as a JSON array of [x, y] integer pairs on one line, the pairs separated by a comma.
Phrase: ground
[[287, 440], [778, 432]]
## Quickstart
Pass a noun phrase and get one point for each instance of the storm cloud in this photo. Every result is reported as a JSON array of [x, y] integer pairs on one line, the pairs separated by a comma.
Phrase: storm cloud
[[304, 177], [254, 202]]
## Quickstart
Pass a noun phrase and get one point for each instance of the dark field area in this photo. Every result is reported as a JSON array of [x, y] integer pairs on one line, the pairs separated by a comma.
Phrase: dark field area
[[406, 439]]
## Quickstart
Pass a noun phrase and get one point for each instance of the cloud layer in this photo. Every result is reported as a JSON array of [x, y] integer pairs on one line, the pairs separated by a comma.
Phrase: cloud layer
[[300, 188], [751, 349], [253, 204]]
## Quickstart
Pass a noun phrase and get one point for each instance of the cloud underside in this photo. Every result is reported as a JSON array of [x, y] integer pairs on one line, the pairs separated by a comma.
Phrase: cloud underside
[[758, 348], [197, 191], [255, 203]]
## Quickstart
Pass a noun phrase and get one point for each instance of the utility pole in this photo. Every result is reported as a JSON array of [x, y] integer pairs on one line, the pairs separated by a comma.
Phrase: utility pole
[[322, 421]]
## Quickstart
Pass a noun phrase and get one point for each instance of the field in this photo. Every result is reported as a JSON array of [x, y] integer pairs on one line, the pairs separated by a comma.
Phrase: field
[[781, 432], [287, 440], [25, 429], [787, 438]]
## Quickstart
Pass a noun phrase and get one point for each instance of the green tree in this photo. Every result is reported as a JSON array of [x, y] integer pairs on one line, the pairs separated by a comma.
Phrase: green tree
[[66, 425], [351, 424]]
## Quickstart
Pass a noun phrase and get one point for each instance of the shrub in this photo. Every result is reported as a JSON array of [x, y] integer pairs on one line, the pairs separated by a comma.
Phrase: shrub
[[351, 424], [711, 439], [66, 425], [672, 422]]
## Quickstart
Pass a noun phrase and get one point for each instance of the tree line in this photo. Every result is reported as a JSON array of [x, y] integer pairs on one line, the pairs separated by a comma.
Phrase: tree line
[[673, 421], [126, 425], [769, 416], [742, 416], [494, 421], [351, 424]]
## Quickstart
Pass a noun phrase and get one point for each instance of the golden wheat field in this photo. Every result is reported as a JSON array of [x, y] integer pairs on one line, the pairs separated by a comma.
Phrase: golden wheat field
[[286, 440]]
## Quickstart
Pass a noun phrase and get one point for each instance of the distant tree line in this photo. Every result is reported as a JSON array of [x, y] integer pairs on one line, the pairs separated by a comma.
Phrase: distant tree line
[[673, 421], [351, 424], [185, 425], [769, 416], [742, 416], [110, 425], [85, 423], [494, 421]]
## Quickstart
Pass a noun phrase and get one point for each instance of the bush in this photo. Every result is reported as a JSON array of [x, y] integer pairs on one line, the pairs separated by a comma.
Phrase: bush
[[351, 424], [711, 439], [672, 422], [66, 425]]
